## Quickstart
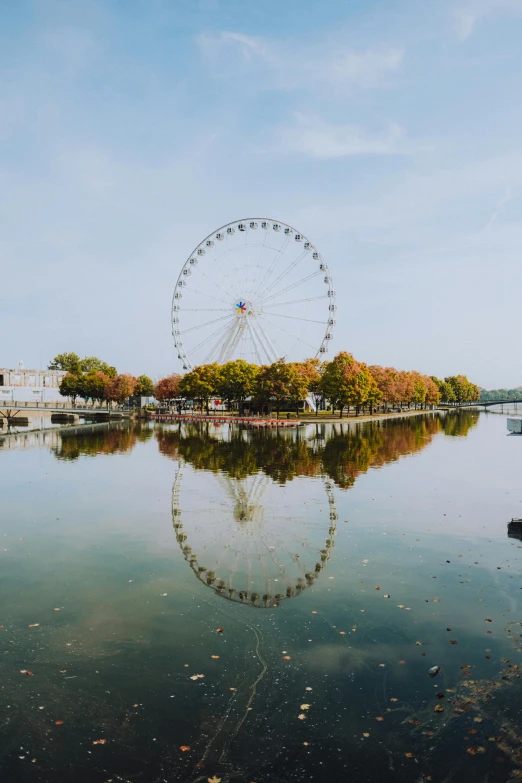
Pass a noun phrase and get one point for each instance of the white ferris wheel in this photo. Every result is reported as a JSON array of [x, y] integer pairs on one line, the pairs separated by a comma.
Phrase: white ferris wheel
[[255, 289]]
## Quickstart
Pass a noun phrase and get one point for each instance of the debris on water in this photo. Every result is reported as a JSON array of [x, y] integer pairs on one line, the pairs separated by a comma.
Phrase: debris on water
[[434, 671]]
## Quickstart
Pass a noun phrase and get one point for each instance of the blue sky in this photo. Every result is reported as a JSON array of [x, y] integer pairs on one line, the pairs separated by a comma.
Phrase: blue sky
[[387, 132]]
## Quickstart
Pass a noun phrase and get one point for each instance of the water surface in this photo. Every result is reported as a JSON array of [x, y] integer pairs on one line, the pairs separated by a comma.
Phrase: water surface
[[311, 577]]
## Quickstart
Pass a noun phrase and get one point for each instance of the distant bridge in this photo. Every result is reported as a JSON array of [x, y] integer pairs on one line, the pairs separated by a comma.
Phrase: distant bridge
[[479, 403]]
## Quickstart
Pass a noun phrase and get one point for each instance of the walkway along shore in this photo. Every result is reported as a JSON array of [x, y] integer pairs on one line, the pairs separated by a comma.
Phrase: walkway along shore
[[215, 418]]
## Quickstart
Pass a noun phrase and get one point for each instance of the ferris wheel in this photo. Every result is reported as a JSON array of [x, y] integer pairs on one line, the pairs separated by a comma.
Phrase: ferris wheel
[[255, 289]]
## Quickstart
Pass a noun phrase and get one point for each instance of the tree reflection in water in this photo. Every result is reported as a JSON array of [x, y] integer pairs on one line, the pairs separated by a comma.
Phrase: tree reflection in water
[[262, 531]]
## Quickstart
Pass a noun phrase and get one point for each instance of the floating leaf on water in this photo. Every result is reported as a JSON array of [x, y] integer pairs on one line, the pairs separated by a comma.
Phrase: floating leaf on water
[[286, 657], [100, 742], [409, 755], [305, 706], [214, 779], [302, 716], [440, 695], [366, 733], [308, 689], [394, 699], [58, 722], [439, 708], [478, 720], [197, 676], [214, 656], [453, 641], [219, 630], [379, 718], [377, 588], [34, 625], [184, 748], [434, 671], [419, 644]]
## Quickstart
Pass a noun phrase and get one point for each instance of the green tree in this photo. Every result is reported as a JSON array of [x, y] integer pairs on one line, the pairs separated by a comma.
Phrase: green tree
[[201, 384], [144, 386], [90, 364], [71, 386], [96, 386], [419, 388], [464, 390], [70, 362], [237, 381]]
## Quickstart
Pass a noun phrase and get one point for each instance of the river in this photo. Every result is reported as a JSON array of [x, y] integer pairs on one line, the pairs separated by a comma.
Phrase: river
[[194, 603]]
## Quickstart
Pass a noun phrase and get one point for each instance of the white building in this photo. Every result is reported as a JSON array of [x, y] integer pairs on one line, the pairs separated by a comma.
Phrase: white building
[[23, 385]]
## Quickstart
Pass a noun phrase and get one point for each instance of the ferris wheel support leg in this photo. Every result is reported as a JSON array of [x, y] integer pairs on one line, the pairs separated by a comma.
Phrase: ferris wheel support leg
[[254, 342], [235, 341], [272, 353], [226, 344]]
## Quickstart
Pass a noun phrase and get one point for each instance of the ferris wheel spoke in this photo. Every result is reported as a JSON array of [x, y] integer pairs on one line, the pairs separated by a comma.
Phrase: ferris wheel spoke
[[294, 318], [207, 323], [299, 301], [283, 274], [218, 331], [212, 281], [285, 331], [209, 296], [279, 252], [289, 288]]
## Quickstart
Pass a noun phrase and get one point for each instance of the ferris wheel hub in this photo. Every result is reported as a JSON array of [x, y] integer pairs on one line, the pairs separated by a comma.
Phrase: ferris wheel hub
[[243, 307]]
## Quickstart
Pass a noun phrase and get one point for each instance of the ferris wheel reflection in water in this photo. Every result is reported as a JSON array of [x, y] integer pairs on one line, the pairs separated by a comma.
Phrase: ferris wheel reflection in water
[[253, 540]]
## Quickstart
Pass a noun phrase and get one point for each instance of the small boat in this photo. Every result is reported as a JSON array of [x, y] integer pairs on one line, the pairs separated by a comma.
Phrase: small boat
[[515, 529]]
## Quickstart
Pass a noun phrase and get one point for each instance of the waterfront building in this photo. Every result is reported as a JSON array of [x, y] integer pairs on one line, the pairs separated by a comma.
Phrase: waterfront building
[[21, 385]]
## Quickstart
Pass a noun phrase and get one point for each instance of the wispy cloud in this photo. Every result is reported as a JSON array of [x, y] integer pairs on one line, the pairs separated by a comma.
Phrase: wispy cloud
[[469, 15], [316, 138], [292, 64]]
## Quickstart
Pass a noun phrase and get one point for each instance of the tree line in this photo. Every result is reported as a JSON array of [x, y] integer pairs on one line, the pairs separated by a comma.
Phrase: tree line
[[94, 380], [342, 383], [495, 395]]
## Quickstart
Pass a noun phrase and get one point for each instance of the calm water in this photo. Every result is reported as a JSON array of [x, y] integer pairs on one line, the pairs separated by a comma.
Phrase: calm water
[[310, 578]]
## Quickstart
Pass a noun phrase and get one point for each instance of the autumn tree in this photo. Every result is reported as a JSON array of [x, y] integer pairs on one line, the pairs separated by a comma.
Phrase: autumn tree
[[167, 389], [237, 382], [120, 388], [310, 373], [201, 384], [387, 379], [144, 386], [274, 384], [347, 382], [433, 395]]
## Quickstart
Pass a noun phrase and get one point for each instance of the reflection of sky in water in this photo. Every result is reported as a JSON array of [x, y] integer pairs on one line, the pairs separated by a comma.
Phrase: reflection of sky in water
[[99, 546]]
